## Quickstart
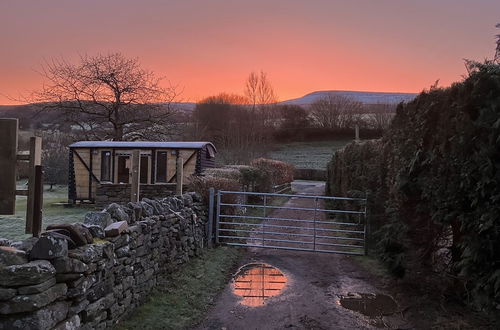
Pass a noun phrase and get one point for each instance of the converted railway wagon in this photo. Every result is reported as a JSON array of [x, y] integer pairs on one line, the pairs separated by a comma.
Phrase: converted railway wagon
[[94, 163]]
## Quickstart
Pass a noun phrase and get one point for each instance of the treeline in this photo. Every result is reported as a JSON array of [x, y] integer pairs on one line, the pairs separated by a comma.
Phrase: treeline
[[243, 130], [434, 187]]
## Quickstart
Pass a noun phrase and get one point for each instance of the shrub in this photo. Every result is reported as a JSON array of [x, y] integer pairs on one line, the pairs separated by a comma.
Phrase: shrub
[[201, 185], [272, 173]]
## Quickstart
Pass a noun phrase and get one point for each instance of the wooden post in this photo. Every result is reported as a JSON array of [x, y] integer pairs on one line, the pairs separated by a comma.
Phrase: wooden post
[[37, 201], [135, 172], [8, 163], [179, 176], [35, 159], [356, 134], [211, 196]]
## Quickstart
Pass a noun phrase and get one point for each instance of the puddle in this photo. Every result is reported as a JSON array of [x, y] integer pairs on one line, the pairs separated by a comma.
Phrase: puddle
[[369, 304], [257, 282]]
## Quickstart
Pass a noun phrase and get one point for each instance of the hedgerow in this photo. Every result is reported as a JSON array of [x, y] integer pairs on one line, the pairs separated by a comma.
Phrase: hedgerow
[[434, 184]]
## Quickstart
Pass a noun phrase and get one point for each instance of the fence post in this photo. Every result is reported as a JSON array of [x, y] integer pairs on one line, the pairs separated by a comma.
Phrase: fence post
[[37, 201], [211, 195], [356, 133], [135, 180], [35, 160], [8, 163], [179, 175]]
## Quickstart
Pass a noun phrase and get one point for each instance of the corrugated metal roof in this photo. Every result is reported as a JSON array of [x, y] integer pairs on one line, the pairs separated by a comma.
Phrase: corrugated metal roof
[[140, 144]]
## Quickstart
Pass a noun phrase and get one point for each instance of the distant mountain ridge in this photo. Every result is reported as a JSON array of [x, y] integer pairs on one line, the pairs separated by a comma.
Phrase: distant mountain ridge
[[308, 99], [364, 97]]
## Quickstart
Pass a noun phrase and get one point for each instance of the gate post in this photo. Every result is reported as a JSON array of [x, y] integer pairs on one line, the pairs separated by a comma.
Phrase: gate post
[[367, 229], [211, 195], [217, 218]]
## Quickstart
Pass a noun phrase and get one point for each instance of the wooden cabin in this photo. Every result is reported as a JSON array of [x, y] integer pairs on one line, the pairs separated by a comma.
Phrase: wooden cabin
[[93, 163]]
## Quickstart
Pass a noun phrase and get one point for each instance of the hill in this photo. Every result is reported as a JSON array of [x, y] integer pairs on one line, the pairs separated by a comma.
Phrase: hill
[[364, 97]]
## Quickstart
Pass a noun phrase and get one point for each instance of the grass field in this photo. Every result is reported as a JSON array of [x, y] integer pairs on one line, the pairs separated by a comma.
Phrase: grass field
[[12, 226], [313, 154]]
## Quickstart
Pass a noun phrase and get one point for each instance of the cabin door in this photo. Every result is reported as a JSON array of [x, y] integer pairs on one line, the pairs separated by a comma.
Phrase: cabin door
[[123, 169]]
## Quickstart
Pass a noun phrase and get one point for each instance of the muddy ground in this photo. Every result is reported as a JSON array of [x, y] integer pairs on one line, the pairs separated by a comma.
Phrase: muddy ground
[[315, 284]]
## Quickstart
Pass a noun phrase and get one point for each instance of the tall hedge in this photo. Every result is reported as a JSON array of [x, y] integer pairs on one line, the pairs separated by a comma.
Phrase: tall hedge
[[434, 184]]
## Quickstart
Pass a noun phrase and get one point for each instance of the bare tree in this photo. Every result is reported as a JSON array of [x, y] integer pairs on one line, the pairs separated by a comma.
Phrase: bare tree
[[258, 89], [106, 97], [336, 111], [55, 157], [497, 49], [380, 115], [228, 121]]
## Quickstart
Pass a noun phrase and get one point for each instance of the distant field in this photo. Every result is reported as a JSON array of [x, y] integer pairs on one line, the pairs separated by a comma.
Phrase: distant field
[[12, 226], [314, 154]]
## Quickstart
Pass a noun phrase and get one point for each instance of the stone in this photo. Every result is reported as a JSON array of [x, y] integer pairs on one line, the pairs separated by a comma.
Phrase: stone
[[73, 323], [197, 198], [68, 277], [25, 245], [187, 199], [37, 288], [123, 252], [96, 231], [136, 209], [45, 318], [12, 256], [101, 219], [116, 228], [34, 272], [147, 210], [82, 289], [5, 242], [69, 265], [49, 247], [7, 293], [117, 212], [29, 303], [78, 233], [78, 307], [88, 253], [99, 290], [95, 308], [60, 234], [85, 232]]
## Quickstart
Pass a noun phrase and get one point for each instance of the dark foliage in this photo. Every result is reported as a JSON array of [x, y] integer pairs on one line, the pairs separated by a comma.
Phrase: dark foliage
[[435, 184]]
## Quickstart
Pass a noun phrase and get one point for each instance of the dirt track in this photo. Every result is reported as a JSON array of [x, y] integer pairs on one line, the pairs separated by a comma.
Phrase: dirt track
[[310, 298]]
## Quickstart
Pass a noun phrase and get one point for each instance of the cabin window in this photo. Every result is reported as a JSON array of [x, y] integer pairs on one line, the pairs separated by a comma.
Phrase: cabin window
[[144, 169], [123, 169], [161, 166], [106, 166]]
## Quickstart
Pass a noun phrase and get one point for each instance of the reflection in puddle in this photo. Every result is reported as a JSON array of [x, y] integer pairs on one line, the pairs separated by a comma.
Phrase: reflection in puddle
[[369, 304], [257, 282]]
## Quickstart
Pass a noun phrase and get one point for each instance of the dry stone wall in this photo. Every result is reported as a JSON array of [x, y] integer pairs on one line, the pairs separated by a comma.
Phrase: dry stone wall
[[90, 275]]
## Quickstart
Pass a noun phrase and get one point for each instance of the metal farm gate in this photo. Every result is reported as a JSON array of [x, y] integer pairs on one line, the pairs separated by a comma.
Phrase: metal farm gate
[[291, 222]]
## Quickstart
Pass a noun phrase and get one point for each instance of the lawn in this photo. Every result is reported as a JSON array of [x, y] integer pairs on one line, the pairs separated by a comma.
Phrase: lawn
[[312, 155], [12, 226]]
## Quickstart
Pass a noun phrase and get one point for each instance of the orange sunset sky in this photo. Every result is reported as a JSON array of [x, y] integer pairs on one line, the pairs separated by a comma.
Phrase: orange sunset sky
[[206, 47]]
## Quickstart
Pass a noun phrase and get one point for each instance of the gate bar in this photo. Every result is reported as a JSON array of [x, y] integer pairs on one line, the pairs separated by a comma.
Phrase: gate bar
[[291, 195], [293, 208], [288, 219]]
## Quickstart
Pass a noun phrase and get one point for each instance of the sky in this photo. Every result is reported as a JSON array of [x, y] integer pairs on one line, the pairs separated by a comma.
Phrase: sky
[[207, 47]]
